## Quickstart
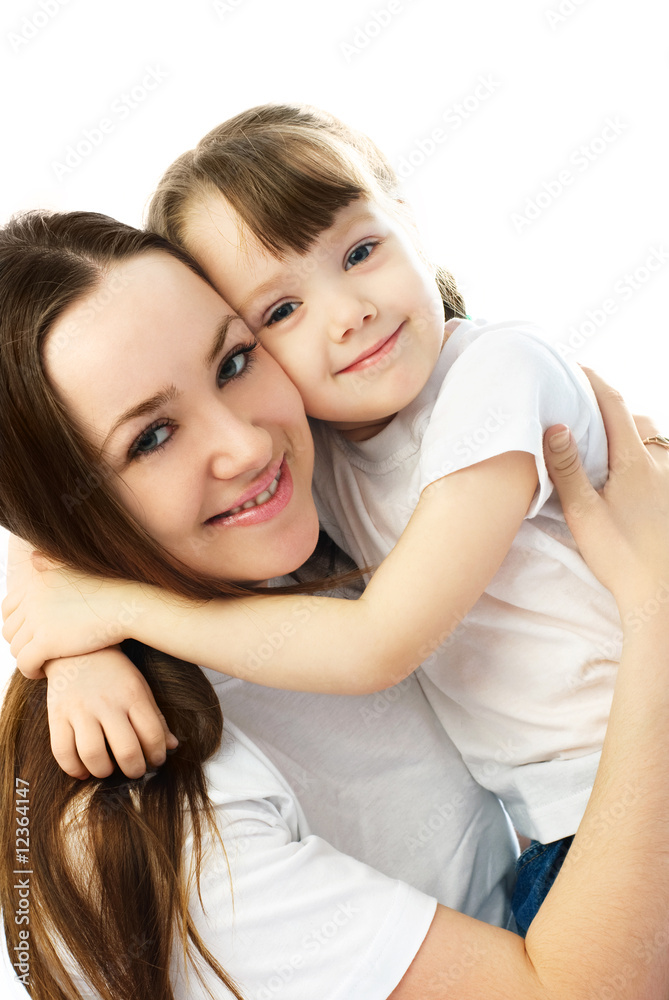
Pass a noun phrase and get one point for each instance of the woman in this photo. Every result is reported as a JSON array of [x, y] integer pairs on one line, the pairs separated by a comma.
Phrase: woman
[[118, 318]]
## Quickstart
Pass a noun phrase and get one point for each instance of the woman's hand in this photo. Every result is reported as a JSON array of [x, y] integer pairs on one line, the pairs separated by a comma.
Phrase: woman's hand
[[623, 531], [51, 611]]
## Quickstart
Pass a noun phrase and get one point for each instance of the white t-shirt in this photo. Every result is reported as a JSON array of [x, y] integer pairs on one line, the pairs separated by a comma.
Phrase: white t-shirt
[[312, 919], [524, 684]]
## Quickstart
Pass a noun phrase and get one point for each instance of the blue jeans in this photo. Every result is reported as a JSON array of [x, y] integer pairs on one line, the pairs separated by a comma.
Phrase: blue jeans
[[536, 870]]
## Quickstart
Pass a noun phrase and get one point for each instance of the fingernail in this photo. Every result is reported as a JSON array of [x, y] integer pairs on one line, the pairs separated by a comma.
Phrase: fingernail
[[559, 441]]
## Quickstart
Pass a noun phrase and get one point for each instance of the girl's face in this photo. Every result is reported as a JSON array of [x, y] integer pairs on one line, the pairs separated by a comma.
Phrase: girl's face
[[207, 436], [357, 322]]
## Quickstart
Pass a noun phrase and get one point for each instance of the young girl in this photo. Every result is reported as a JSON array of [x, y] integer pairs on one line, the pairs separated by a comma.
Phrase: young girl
[[428, 430]]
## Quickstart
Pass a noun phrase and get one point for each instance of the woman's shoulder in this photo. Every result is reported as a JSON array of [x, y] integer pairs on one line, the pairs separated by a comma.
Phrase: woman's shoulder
[[241, 776]]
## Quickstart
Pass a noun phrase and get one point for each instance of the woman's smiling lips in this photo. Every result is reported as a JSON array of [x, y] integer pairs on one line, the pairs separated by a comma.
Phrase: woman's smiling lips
[[373, 354], [277, 482]]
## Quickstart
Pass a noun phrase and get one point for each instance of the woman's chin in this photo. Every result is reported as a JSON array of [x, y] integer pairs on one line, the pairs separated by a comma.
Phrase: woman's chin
[[294, 548]]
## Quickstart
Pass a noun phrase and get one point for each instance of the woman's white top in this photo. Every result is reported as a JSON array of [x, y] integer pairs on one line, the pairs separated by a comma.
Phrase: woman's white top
[[344, 821]]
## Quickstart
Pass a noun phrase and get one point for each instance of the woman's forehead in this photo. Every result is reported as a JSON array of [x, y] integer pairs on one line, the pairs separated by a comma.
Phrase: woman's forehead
[[150, 319]]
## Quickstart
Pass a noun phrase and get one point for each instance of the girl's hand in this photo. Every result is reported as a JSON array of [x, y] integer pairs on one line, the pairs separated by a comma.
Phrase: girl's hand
[[52, 611], [104, 696], [622, 532]]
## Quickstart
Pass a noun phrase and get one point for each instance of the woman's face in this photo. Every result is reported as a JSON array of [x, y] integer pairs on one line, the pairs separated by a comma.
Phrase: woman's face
[[206, 435]]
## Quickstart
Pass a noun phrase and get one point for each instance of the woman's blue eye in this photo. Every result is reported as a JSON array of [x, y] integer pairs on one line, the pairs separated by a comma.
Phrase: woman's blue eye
[[237, 363], [359, 254], [151, 439], [281, 312], [232, 367]]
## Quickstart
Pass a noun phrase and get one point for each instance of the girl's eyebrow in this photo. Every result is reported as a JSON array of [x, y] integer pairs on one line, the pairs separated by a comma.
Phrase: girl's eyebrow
[[340, 231], [170, 393], [260, 291]]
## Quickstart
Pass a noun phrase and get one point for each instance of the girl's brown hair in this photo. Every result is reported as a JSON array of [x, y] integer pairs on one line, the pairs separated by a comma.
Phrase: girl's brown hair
[[286, 170], [118, 922]]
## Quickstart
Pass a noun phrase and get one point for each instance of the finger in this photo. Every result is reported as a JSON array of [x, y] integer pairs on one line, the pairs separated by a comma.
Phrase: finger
[[171, 740], [645, 425], [151, 729], [91, 747], [21, 640], [14, 619], [624, 440], [29, 659], [566, 471], [64, 749], [10, 603], [124, 745]]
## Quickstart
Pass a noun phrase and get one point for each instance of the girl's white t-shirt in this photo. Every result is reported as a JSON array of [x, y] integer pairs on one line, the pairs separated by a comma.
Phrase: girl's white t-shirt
[[524, 685]]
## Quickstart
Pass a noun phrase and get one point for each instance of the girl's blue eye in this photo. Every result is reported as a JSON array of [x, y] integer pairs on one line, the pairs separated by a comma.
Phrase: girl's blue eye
[[282, 312], [360, 253]]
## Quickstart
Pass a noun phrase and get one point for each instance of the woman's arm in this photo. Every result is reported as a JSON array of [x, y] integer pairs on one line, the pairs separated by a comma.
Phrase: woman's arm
[[453, 545], [603, 930]]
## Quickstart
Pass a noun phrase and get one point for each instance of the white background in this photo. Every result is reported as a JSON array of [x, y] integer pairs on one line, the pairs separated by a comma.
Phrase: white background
[[516, 88]]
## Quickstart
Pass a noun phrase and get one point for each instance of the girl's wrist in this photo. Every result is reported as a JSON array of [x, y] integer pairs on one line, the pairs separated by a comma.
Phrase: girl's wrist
[[119, 605]]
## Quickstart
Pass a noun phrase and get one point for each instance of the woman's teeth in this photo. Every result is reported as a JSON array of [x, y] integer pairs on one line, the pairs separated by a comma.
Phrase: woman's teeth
[[260, 499]]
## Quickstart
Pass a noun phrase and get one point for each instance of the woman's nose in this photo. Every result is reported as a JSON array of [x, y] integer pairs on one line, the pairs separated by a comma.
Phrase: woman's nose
[[238, 447]]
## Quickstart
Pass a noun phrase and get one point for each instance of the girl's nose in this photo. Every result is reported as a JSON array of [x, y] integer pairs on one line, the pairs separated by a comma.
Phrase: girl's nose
[[348, 314]]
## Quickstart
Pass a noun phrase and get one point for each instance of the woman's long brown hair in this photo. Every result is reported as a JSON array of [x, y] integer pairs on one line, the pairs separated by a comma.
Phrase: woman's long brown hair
[[286, 170], [108, 882]]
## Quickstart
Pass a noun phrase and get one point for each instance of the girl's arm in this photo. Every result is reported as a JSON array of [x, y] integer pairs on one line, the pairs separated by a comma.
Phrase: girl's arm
[[603, 930], [453, 545]]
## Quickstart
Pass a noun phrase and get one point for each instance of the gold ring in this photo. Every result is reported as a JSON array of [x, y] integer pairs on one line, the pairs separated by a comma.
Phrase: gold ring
[[658, 439]]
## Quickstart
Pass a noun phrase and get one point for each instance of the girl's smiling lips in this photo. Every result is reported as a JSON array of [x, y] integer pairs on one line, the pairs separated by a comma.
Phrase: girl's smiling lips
[[373, 354], [266, 510]]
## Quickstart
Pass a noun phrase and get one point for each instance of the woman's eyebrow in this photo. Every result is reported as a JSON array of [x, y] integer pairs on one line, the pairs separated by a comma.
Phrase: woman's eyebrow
[[159, 398], [219, 339], [170, 393]]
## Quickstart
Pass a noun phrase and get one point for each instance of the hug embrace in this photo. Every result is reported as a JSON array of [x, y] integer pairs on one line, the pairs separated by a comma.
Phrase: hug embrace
[[250, 775]]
